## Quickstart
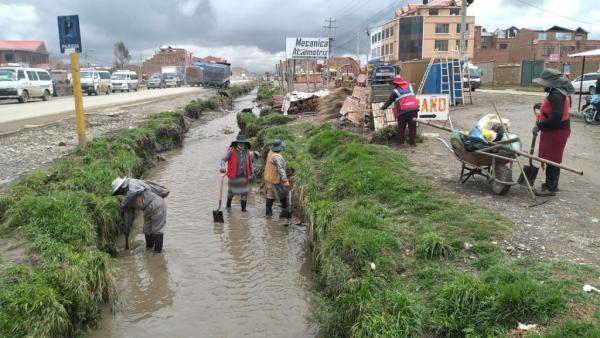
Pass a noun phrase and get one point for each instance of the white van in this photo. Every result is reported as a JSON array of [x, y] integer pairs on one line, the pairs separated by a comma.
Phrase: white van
[[589, 82], [124, 80], [95, 81], [24, 83]]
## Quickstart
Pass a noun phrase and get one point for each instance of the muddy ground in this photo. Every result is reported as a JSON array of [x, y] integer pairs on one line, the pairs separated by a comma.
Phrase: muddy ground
[[31, 148], [567, 226]]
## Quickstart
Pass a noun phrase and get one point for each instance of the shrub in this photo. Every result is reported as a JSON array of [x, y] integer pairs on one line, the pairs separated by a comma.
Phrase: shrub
[[432, 245], [463, 305], [572, 329], [390, 314]]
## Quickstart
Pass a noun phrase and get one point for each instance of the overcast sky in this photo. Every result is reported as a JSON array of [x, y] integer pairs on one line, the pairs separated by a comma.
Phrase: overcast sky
[[250, 33]]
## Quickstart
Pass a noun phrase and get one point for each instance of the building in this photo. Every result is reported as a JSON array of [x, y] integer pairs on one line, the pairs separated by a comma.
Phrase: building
[[375, 52], [418, 30], [513, 45], [433, 27], [31, 53], [167, 56]]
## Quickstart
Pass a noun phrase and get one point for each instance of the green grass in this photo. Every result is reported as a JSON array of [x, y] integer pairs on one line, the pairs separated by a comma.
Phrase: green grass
[[390, 249], [224, 99], [251, 124], [70, 221], [266, 91]]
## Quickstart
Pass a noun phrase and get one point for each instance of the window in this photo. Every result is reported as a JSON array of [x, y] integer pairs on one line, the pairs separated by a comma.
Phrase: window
[[542, 36], [578, 37], [503, 46], [392, 31], [32, 76], [43, 76], [434, 11], [548, 50], [441, 45], [454, 11], [442, 28], [387, 33], [591, 77], [458, 27], [9, 57], [105, 75], [21, 75], [566, 49], [134, 76], [563, 36], [373, 39], [466, 44]]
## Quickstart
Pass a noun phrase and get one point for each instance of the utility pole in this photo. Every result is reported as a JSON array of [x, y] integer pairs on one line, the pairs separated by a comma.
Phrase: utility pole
[[463, 27], [358, 46], [329, 27]]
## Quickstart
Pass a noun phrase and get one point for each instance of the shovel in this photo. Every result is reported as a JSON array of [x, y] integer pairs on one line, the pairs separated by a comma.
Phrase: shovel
[[530, 171], [218, 214]]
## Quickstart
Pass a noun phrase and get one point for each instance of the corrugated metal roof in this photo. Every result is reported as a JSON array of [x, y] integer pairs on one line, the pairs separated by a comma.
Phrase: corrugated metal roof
[[21, 45]]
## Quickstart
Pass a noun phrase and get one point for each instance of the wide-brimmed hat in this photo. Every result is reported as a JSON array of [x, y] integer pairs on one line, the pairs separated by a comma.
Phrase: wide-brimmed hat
[[117, 184], [549, 78], [277, 145], [241, 138]]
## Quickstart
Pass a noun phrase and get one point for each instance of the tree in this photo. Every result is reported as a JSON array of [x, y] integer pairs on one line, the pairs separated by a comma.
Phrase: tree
[[122, 55]]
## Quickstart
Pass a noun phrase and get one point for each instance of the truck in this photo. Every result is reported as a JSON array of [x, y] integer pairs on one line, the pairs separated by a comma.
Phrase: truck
[[193, 76], [173, 75], [215, 74], [474, 77]]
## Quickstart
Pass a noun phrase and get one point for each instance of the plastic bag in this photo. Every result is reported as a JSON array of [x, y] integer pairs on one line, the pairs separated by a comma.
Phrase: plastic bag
[[158, 189]]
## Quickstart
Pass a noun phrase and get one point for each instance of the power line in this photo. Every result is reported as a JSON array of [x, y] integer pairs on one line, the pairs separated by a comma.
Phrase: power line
[[556, 14]]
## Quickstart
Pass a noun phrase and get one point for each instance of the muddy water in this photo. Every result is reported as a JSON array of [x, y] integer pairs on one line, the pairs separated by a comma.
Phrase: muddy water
[[249, 277]]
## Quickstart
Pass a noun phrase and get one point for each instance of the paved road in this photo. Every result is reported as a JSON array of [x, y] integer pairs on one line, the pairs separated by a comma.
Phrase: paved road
[[14, 116]]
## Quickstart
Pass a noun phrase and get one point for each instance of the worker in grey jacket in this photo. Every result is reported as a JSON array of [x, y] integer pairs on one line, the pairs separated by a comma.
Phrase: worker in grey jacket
[[142, 196]]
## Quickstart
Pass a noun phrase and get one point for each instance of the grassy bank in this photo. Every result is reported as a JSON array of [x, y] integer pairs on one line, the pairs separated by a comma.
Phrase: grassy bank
[[397, 257], [224, 99], [266, 91], [69, 220]]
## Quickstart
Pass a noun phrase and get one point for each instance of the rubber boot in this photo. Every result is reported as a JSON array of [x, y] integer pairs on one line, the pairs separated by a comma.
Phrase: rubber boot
[[158, 242], [244, 205], [149, 241], [285, 213], [228, 205], [550, 186], [270, 206]]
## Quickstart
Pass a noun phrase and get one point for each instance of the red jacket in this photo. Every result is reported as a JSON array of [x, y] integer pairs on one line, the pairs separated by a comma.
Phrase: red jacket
[[232, 164]]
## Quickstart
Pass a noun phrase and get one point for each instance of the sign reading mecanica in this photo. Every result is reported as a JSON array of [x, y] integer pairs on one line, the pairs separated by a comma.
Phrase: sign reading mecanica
[[307, 48]]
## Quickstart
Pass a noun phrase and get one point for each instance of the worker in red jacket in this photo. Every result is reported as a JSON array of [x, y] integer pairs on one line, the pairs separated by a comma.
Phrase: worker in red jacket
[[237, 166], [406, 109], [553, 125]]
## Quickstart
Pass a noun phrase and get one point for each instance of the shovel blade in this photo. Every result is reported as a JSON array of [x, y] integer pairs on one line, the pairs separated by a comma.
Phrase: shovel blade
[[218, 216], [531, 173]]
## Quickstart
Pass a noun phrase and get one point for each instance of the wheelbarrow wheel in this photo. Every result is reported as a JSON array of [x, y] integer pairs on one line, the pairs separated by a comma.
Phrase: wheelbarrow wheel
[[501, 173]]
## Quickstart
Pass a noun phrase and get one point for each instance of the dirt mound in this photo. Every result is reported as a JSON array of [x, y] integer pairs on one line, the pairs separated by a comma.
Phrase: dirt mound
[[329, 106]]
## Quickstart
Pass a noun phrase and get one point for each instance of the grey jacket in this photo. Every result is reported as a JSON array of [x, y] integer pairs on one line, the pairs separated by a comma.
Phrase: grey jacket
[[152, 205], [279, 163]]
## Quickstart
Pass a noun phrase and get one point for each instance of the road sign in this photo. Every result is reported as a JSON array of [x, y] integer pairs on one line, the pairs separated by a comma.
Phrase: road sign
[[431, 107], [69, 34], [467, 34], [434, 106], [553, 58]]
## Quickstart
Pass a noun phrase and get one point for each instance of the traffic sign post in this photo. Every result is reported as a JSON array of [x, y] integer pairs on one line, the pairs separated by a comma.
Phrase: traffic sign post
[[70, 42]]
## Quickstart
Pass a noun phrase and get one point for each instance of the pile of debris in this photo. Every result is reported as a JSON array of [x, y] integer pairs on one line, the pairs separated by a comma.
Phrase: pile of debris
[[299, 102], [277, 102]]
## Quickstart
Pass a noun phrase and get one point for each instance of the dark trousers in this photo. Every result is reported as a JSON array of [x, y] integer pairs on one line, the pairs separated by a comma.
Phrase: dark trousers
[[552, 177], [404, 120]]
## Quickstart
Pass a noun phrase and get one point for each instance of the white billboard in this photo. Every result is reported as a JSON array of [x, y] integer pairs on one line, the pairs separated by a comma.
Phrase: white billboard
[[307, 48]]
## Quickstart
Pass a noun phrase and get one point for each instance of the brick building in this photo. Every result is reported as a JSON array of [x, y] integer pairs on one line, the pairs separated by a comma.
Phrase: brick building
[[551, 45], [31, 53], [166, 56]]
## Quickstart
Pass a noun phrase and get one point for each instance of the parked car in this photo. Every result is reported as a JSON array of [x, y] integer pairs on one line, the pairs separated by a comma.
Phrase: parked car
[[589, 82], [95, 81], [124, 80], [156, 81], [24, 83]]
